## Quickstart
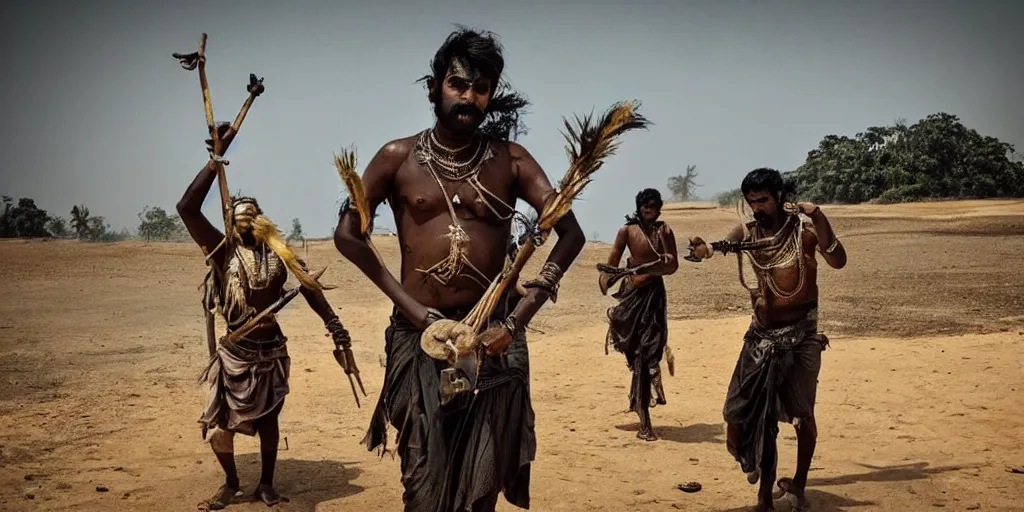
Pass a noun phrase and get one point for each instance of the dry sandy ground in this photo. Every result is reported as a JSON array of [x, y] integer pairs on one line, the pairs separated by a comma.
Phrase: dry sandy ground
[[919, 405]]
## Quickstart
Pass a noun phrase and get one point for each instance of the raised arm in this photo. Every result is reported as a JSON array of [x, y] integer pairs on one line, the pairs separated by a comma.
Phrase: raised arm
[[190, 206], [378, 182], [832, 250], [534, 188]]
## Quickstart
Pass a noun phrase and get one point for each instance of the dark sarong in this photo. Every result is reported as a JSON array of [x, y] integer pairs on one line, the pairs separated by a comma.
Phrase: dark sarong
[[472, 447], [638, 328], [776, 379], [247, 381]]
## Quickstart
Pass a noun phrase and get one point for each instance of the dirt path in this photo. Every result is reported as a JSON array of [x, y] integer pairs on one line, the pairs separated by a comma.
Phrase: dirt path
[[919, 403]]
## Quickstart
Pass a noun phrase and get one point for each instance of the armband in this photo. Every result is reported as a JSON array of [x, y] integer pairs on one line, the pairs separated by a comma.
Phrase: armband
[[548, 280]]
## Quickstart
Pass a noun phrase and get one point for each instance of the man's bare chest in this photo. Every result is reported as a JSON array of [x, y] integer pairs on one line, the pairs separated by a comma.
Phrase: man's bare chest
[[643, 245], [488, 195]]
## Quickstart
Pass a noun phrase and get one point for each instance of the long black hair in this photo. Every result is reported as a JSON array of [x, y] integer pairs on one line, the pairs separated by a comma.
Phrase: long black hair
[[482, 51]]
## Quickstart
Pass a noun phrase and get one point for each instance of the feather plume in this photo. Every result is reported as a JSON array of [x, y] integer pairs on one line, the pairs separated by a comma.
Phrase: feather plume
[[346, 165], [266, 232], [588, 144]]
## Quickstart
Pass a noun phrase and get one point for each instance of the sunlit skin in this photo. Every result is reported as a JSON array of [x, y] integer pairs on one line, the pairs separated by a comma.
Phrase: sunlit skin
[[421, 212], [208, 237], [632, 237], [640, 251], [772, 311]]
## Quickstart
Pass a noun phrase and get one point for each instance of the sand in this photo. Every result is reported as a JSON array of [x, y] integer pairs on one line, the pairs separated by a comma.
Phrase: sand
[[919, 404]]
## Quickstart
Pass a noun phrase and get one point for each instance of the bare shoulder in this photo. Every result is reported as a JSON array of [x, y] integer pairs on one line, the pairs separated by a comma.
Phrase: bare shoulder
[[515, 150], [522, 160], [396, 150]]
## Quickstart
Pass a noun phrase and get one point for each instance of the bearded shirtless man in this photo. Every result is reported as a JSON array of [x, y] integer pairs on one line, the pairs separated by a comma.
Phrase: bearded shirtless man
[[776, 376], [453, 189], [638, 325], [248, 378]]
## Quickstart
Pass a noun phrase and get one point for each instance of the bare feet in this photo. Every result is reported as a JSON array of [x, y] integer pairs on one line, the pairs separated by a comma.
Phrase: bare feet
[[764, 500], [268, 495], [788, 486], [647, 434], [220, 500]]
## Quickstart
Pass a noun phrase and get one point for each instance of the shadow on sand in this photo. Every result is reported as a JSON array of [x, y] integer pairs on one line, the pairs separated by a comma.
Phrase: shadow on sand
[[688, 434], [306, 483], [818, 501], [896, 473]]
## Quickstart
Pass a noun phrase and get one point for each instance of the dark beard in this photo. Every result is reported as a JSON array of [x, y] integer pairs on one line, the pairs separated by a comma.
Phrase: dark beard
[[450, 120]]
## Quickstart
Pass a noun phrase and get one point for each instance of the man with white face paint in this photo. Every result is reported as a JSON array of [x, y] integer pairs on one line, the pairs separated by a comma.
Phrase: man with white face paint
[[248, 377]]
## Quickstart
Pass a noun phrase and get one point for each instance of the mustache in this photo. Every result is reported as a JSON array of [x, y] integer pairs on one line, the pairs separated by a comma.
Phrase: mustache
[[468, 109], [761, 216]]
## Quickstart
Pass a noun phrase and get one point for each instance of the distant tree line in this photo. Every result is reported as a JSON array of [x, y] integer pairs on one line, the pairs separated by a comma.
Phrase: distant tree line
[[936, 158], [26, 220]]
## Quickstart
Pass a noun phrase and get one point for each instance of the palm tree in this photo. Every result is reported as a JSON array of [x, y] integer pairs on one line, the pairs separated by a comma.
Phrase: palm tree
[[80, 220]]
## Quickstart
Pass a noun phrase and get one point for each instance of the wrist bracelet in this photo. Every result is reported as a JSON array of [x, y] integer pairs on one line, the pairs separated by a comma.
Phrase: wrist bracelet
[[831, 248], [511, 324], [548, 280]]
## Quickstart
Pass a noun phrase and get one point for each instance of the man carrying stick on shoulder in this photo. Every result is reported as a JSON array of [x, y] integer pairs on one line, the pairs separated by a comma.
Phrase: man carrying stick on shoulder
[[776, 376], [638, 325]]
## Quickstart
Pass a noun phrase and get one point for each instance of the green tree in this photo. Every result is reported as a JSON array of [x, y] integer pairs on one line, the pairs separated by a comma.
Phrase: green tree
[[58, 227], [296, 233], [937, 157], [683, 186], [6, 219], [80, 221], [24, 220], [729, 198], [155, 224]]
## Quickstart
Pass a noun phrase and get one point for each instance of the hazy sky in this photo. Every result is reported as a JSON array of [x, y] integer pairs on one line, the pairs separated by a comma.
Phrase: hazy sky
[[97, 112]]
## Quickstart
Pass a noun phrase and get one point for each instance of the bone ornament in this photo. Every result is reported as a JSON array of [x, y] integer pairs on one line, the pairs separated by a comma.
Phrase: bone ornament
[[448, 340]]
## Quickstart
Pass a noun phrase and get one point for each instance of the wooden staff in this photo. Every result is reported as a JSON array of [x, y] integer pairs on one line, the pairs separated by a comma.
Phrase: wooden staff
[[195, 60], [254, 322], [198, 60]]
